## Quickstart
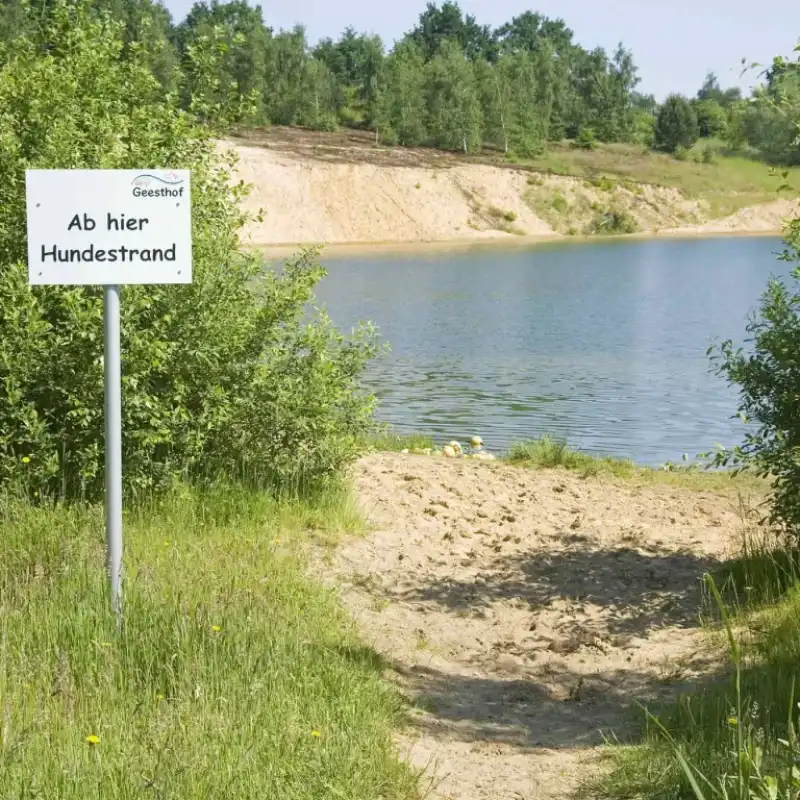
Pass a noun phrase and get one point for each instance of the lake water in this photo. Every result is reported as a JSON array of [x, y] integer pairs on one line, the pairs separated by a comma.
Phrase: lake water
[[602, 343]]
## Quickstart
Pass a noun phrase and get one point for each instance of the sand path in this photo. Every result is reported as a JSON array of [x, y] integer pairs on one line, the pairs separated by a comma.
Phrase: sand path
[[525, 612]]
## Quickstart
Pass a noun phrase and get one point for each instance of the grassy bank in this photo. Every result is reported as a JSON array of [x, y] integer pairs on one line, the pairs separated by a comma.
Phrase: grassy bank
[[233, 675], [733, 736], [553, 453], [728, 183]]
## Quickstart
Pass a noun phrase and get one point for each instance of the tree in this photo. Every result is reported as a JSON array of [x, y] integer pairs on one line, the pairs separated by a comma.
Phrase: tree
[[453, 107], [592, 101], [545, 39], [355, 62], [526, 32], [148, 27], [400, 102], [768, 120], [644, 102], [317, 108], [512, 116], [495, 98], [234, 36], [437, 25], [284, 76], [711, 90], [624, 79], [643, 121], [211, 92], [529, 83], [712, 119], [676, 125], [227, 375]]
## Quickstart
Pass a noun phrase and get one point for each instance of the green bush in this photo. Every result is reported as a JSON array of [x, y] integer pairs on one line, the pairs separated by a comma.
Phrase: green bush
[[767, 374], [586, 139], [643, 132], [708, 155], [676, 125], [712, 118], [614, 221], [226, 375], [559, 203], [604, 183]]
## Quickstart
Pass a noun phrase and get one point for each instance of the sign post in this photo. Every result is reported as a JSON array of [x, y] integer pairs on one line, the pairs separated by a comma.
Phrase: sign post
[[109, 228], [112, 380]]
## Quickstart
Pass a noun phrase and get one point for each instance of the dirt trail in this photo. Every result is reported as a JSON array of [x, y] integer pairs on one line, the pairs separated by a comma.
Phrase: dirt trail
[[525, 611]]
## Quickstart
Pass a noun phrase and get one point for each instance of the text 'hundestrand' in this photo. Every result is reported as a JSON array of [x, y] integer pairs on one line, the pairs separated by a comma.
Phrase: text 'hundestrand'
[[91, 253]]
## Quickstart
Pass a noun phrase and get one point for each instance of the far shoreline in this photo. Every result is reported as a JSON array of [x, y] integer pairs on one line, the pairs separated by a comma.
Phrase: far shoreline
[[337, 250]]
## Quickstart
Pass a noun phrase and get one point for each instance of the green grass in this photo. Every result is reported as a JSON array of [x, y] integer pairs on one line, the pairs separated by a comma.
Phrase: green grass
[[233, 675], [549, 453], [728, 184], [727, 738]]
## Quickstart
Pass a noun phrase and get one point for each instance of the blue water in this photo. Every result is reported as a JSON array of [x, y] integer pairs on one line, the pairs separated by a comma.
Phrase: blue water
[[603, 343]]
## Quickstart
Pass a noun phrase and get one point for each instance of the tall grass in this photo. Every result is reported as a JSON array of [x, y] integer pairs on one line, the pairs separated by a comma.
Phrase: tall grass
[[232, 676], [549, 452], [734, 736]]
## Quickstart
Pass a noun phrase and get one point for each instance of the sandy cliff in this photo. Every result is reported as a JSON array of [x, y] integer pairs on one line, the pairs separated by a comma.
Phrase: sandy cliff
[[349, 195]]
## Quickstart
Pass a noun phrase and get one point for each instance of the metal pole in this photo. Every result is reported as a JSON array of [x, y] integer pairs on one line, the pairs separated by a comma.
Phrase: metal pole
[[113, 420]]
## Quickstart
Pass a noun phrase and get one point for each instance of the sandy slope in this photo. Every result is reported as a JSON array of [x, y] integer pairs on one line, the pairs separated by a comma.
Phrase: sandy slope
[[525, 611], [358, 195], [766, 218], [308, 201]]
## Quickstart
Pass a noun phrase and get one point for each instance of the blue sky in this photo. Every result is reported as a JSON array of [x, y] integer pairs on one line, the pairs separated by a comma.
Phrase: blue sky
[[674, 42]]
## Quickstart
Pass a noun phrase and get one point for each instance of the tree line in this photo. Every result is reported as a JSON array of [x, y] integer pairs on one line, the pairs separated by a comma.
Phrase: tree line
[[450, 82]]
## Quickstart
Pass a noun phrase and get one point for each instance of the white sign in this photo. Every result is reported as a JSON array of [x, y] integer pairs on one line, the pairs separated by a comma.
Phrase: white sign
[[114, 227]]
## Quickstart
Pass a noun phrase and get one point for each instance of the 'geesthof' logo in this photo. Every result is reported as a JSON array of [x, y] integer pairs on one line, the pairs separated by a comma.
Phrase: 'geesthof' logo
[[149, 185]]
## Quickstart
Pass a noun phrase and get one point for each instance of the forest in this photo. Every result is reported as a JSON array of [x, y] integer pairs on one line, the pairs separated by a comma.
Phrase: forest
[[450, 83]]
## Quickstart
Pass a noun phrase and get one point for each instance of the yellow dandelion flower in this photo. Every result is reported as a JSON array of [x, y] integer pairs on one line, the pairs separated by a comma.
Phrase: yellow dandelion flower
[[92, 739], [159, 697], [26, 460], [316, 734], [733, 721], [216, 628]]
